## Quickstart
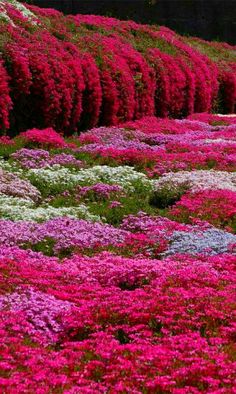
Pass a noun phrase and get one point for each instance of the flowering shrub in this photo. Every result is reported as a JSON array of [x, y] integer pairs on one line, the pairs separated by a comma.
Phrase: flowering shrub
[[215, 206], [214, 120], [75, 72], [47, 138], [38, 158], [11, 185], [61, 235], [58, 178], [158, 146], [20, 209], [99, 191], [198, 180]]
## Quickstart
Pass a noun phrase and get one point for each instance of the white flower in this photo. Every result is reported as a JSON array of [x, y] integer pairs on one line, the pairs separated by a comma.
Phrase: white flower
[[124, 176], [11, 167], [219, 141], [15, 208], [198, 180]]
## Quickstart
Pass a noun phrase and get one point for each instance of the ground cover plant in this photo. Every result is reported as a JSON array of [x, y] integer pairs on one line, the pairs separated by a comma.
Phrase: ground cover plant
[[117, 242], [117, 255]]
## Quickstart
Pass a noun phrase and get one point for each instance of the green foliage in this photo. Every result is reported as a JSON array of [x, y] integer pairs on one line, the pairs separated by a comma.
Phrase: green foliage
[[129, 205], [46, 246], [166, 196]]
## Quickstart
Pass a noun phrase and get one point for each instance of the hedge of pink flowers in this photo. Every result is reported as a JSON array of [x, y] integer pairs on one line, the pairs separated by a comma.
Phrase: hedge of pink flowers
[[78, 72], [139, 295]]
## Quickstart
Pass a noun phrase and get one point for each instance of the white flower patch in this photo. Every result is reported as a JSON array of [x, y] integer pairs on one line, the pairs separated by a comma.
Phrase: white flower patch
[[11, 167], [14, 208], [54, 175], [124, 176], [41, 214], [197, 180], [9, 201], [219, 141]]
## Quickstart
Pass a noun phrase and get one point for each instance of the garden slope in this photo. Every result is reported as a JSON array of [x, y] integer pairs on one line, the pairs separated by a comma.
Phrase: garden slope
[[117, 259]]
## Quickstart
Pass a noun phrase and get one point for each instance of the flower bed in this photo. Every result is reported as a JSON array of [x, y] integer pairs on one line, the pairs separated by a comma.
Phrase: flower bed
[[117, 258]]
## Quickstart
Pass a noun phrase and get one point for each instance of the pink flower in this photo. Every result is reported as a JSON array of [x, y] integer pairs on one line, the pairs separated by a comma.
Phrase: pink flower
[[115, 204]]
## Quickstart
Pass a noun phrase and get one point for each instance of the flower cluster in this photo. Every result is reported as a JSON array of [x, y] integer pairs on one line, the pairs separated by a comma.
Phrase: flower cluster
[[214, 206], [99, 191], [58, 177], [38, 158], [43, 138], [12, 185], [198, 180], [118, 324], [158, 146], [13, 208], [63, 234]]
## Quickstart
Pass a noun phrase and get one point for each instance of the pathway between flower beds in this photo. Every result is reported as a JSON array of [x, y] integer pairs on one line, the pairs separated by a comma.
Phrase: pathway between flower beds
[[117, 254]]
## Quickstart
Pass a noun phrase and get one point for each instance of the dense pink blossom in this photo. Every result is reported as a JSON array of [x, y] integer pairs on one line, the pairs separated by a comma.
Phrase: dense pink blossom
[[43, 138], [161, 145], [169, 323], [74, 72], [215, 206]]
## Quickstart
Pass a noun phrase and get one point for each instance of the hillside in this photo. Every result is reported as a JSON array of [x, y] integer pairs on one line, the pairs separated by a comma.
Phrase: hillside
[[77, 72]]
